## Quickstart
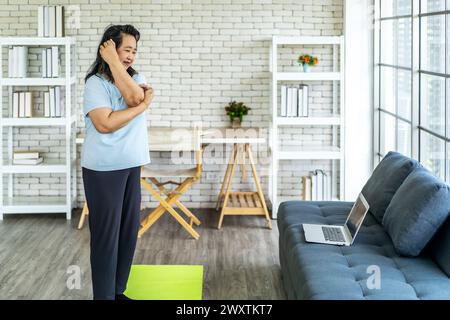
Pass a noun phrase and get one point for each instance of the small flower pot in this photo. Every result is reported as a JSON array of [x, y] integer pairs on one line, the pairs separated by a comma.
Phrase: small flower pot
[[236, 123], [306, 68]]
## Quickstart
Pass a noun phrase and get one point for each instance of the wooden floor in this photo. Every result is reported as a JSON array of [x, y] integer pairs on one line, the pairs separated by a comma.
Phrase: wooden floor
[[240, 260]]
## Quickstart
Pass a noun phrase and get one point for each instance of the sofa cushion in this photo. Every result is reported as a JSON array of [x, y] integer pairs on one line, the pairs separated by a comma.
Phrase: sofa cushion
[[385, 180], [319, 271], [440, 247], [417, 210]]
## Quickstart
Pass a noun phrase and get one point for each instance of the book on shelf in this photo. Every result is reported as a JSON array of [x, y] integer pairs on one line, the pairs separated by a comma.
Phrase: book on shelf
[[17, 61], [304, 103], [45, 22], [28, 161], [51, 21], [294, 96], [22, 61], [16, 102], [306, 182], [60, 21], [58, 102], [28, 104], [52, 103], [22, 104], [54, 60], [17, 155], [314, 196], [294, 101], [283, 105], [50, 62], [300, 93], [320, 186], [47, 104]]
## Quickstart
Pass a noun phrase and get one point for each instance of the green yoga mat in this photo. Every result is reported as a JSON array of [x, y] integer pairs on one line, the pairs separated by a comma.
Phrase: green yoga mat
[[165, 282]]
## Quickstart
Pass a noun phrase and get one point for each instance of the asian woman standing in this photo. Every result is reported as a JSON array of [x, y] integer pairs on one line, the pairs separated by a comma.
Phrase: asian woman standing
[[115, 147]]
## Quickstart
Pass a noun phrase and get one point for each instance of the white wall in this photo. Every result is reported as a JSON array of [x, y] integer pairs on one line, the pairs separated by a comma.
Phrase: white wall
[[198, 55], [358, 31]]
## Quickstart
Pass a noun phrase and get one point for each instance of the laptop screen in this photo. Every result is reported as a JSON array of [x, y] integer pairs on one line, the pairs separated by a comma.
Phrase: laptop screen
[[357, 214]]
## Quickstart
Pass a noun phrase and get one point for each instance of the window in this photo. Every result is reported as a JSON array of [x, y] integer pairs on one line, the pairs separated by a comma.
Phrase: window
[[412, 50]]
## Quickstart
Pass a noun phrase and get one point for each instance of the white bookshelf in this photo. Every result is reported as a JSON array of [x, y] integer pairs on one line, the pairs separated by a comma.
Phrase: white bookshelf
[[308, 121], [37, 41], [307, 154], [43, 122], [49, 166], [35, 205], [280, 151], [313, 76], [37, 81], [15, 204]]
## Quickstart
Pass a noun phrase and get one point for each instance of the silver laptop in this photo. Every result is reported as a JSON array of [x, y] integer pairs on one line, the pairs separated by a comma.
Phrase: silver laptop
[[339, 235]]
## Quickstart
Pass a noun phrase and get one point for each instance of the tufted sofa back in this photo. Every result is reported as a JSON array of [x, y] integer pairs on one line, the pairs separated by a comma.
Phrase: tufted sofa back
[[385, 180], [380, 189]]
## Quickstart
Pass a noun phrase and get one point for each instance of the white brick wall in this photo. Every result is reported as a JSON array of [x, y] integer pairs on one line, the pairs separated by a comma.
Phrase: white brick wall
[[197, 55]]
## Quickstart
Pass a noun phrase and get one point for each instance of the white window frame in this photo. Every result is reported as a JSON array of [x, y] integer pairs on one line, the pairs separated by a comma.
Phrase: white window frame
[[416, 72]]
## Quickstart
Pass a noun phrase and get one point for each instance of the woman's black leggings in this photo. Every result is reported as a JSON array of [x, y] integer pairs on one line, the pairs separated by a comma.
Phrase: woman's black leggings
[[114, 202]]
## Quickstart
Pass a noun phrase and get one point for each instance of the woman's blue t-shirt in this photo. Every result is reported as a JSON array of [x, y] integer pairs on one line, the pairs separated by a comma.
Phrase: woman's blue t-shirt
[[121, 149]]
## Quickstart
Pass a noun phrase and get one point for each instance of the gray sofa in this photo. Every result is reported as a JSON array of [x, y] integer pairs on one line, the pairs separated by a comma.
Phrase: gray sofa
[[405, 239]]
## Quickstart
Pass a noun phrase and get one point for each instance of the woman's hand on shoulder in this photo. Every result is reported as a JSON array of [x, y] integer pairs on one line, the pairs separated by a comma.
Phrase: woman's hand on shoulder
[[108, 52]]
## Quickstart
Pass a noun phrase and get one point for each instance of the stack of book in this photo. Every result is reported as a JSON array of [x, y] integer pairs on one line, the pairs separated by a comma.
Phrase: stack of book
[[22, 103], [51, 21], [17, 62], [26, 157], [50, 62], [317, 186], [52, 102], [294, 101]]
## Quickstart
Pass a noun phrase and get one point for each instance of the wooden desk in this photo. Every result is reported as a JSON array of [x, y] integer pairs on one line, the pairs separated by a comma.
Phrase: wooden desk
[[239, 202]]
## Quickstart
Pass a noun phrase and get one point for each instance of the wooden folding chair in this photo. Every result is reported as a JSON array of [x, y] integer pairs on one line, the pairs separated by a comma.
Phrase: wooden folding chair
[[176, 141]]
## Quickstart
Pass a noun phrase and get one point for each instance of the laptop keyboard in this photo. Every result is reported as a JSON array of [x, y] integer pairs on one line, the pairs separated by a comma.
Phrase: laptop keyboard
[[333, 234]]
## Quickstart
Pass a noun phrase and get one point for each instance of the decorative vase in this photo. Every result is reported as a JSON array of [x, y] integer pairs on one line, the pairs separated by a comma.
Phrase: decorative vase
[[306, 68], [236, 123]]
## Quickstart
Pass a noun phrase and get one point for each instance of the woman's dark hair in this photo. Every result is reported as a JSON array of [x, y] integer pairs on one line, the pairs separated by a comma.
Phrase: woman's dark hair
[[114, 32]]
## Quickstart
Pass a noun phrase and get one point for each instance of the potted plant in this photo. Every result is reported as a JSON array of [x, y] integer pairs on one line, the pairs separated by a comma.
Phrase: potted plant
[[236, 110], [307, 61]]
